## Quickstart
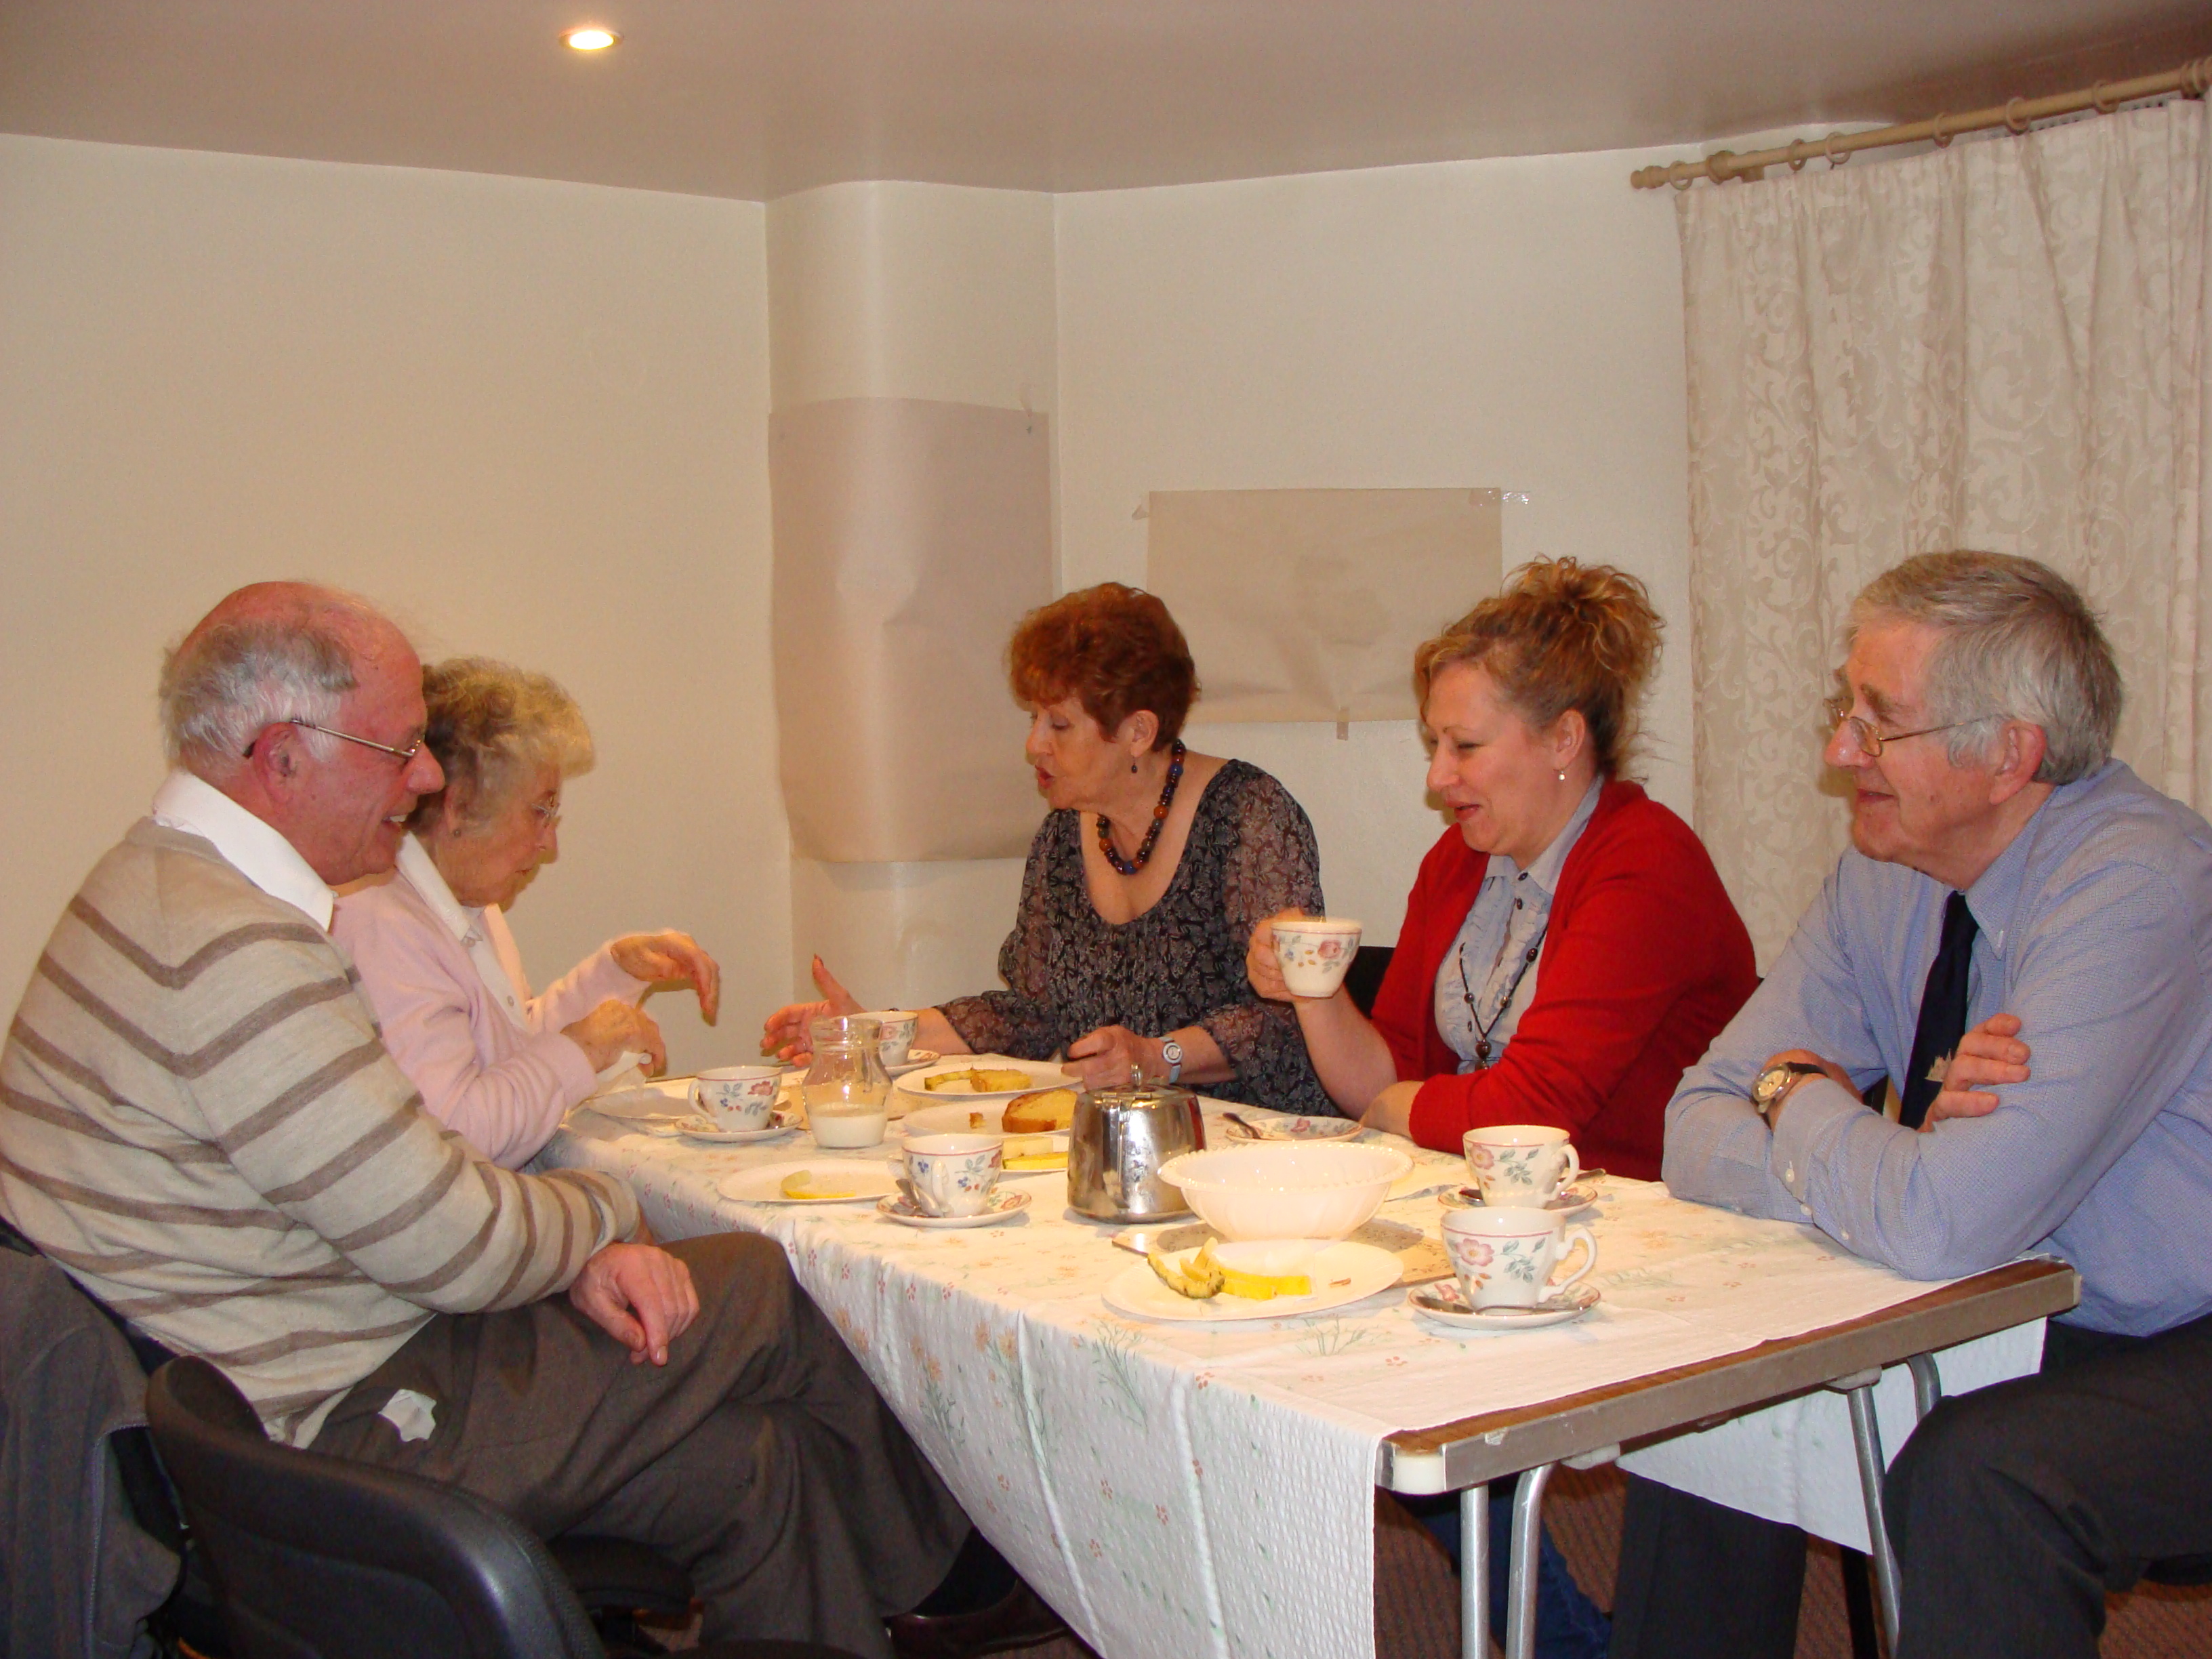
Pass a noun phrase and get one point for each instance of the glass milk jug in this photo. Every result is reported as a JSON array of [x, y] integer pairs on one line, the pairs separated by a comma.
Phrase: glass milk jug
[[848, 1080]]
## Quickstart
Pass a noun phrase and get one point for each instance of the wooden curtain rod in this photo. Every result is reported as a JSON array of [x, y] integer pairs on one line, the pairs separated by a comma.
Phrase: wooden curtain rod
[[2192, 78]]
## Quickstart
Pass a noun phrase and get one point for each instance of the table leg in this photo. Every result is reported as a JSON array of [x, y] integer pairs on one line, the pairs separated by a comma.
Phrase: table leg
[[1927, 1384], [1527, 1547], [1474, 1573], [1866, 1435]]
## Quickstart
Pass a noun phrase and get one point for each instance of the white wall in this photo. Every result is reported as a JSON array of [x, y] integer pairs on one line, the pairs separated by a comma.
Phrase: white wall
[[1515, 324], [530, 418]]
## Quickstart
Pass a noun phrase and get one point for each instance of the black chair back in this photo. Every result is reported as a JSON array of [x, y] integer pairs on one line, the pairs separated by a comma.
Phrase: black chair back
[[1364, 977], [320, 1558]]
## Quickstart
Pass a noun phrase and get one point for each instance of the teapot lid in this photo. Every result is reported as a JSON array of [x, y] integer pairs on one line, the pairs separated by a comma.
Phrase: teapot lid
[[1139, 1094]]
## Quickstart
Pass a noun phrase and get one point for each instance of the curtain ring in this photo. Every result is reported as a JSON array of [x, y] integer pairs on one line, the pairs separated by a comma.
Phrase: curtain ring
[[1796, 155], [1943, 139], [2103, 104], [1828, 149], [2014, 121], [1683, 183]]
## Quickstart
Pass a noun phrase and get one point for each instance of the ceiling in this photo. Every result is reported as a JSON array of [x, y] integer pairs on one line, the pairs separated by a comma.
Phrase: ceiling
[[753, 98]]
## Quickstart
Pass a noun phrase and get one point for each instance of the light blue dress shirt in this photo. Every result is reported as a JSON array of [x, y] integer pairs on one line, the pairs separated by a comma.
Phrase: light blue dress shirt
[[2096, 930]]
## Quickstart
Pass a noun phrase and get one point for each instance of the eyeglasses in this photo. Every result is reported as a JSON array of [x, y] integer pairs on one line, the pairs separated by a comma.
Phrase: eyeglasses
[[403, 755], [1871, 742], [549, 815]]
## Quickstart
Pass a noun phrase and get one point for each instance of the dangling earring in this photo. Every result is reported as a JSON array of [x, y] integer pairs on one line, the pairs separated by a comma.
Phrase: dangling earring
[[1562, 777], [1133, 769]]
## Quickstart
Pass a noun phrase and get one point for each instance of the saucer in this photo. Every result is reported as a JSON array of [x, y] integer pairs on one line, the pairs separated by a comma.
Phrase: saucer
[[902, 1209], [1571, 1202], [915, 1061], [1446, 1304], [703, 1131], [1301, 1130]]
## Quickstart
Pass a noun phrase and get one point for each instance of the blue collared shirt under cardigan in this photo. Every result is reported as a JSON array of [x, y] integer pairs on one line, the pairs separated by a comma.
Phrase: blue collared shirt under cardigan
[[2096, 930]]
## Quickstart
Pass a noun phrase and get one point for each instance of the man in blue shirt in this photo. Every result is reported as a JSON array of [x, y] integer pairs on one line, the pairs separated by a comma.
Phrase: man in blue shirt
[[2021, 941]]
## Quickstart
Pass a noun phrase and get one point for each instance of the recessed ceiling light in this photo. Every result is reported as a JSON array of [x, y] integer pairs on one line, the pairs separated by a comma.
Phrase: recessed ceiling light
[[590, 38]]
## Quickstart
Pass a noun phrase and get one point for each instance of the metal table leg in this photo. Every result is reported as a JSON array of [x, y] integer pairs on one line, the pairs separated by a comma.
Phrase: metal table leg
[[1474, 1573], [1866, 1436], [1527, 1534]]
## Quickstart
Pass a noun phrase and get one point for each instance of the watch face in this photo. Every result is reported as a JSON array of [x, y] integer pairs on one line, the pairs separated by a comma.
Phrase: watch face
[[1171, 1052]]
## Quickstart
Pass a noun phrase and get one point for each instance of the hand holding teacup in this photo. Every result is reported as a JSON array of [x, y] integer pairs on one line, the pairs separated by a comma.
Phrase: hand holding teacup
[[1291, 955], [1521, 1163]]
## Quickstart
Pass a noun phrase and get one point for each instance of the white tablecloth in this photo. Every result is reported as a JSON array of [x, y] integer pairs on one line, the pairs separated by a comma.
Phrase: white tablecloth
[[1180, 1489]]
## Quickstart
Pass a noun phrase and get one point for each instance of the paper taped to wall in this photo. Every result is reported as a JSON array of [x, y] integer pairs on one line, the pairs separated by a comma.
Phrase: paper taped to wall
[[1306, 604]]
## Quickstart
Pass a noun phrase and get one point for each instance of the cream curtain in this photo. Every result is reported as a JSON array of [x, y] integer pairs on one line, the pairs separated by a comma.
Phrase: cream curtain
[[1999, 346]]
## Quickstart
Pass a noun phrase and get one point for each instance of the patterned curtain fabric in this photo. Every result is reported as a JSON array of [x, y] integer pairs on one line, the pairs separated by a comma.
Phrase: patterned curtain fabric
[[1997, 345]]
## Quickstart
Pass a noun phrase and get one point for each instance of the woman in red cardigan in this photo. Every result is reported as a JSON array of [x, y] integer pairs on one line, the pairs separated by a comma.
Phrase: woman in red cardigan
[[1567, 949]]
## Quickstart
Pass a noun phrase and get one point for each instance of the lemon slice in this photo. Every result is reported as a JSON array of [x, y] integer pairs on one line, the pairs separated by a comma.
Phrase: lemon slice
[[799, 1183], [1031, 1161]]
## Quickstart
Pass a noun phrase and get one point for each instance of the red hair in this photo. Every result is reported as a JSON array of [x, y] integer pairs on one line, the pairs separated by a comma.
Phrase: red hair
[[1115, 649]]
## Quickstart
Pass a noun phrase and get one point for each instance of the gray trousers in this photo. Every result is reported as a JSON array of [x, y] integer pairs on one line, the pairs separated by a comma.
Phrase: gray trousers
[[760, 1457]]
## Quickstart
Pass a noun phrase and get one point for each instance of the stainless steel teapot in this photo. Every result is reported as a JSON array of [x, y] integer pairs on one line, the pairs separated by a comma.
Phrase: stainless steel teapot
[[1117, 1143]]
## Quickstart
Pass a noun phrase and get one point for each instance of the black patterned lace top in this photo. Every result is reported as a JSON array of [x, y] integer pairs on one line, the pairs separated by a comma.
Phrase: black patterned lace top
[[1068, 970]]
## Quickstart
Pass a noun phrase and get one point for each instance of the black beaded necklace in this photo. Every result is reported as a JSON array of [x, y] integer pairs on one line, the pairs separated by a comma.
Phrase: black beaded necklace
[[1130, 867]]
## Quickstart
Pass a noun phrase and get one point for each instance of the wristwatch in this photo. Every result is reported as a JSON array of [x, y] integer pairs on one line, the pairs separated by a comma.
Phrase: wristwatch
[[1171, 1052], [1776, 1081]]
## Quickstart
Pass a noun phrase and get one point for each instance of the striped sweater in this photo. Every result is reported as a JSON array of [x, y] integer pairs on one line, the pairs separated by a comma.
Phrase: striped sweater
[[199, 1122]]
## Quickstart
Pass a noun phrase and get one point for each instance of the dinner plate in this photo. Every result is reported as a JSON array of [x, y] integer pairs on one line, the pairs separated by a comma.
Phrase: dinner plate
[[1299, 1129], [953, 1120], [1446, 1304], [862, 1183], [1575, 1203], [901, 1209], [1042, 1074], [1341, 1273], [708, 1134]]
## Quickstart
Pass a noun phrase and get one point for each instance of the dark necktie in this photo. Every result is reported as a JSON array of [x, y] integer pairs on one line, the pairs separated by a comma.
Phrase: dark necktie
[[1942, 1011]]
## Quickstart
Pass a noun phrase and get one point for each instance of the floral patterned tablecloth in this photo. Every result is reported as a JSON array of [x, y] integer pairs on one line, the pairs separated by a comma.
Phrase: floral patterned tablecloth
[[1179, 1489]]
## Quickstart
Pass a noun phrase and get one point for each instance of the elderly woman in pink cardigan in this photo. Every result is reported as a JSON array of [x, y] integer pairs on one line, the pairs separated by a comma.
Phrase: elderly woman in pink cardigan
[[436, 957]]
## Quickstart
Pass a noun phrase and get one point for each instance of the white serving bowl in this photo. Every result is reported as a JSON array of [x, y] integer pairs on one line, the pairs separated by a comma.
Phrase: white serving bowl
[[1326, 1190]]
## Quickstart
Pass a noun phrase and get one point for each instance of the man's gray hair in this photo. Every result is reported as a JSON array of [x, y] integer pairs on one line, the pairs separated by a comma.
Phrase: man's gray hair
[[226, 681], [2019, 642]]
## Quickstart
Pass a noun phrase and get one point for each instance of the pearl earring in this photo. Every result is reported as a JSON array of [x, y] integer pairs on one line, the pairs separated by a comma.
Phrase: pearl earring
[[1133, 769], [1562, 777]]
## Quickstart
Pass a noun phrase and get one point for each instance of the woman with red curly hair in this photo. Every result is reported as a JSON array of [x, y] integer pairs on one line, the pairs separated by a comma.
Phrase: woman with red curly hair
[[1144, 881]]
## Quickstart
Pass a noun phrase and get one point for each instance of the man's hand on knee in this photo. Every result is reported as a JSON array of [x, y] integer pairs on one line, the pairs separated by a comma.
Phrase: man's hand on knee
[[640, 1296]]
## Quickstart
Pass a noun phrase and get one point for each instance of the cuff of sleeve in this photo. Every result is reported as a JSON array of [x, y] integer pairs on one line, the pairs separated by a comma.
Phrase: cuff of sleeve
[[570, 1063], [603, 977], [1813, 1105], [1437, 1120]]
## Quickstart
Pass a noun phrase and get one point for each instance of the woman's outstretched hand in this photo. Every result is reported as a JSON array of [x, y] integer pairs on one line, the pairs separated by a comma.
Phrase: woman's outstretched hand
[[785, 1033], [672, 959]]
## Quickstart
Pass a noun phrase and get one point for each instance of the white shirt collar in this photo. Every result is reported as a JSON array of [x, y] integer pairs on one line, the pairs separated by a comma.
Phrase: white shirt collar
[[422, 874], [256, 849]]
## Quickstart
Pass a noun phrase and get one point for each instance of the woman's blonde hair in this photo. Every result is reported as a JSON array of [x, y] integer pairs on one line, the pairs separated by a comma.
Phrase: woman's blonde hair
[[1561, 635], [492, 727]]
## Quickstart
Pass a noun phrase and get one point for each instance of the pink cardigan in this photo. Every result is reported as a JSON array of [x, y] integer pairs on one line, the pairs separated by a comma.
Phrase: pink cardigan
[[505, 1090]]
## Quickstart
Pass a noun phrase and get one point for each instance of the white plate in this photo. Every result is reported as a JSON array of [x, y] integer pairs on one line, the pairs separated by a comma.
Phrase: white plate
[[1574, 1203], [1004, 1203], [953, 1120], [1445, 1303], [1340, 1274], [915, 1061], [707, 1135], [1042, 1074], [1302, 1130], [864, 1183]]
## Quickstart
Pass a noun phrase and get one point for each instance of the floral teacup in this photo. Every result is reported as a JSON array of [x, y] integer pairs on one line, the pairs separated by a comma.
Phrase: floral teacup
[[1504, 1258], [1521, 1163], [953, 1175], [1315, 952]]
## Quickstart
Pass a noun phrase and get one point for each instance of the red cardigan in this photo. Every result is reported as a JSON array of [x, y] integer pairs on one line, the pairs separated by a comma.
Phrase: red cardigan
[[1645, 961]]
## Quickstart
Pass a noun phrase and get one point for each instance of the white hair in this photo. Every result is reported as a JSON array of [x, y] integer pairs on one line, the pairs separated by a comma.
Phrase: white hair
[[228, 680], [2019, 642]]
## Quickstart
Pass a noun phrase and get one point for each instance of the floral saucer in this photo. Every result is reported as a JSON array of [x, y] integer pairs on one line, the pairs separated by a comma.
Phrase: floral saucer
[[704, 1131], [1446, 1304], [907, 1214], [1571, 1203], [1293, 1129]]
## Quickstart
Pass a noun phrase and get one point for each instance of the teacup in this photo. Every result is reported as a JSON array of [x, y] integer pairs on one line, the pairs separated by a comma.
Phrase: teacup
[[737, 1097], [953, 1175], [897, 1035], [1505, 1258], [1521, 1163], [1314, 952]]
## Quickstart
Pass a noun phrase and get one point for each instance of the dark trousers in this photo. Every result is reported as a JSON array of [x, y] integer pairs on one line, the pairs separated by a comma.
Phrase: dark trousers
[[2015, 1508], [760, 1457], [2012, 1509]]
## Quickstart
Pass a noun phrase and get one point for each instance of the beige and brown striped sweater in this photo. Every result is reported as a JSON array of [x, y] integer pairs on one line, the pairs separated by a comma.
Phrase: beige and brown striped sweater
[[198, 1120]]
